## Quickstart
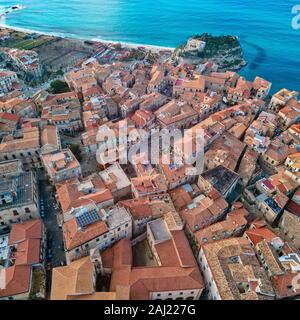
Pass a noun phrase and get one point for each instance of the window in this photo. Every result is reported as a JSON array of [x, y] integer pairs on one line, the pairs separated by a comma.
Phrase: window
[[15, 213], [27, 210]]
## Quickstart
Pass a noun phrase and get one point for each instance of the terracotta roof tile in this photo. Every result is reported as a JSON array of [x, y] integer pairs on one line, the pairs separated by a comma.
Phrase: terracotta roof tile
[[73, 280], [75, 237]]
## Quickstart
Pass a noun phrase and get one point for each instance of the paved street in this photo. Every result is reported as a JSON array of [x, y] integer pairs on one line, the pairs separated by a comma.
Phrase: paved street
[[68, 140], [49, 211]]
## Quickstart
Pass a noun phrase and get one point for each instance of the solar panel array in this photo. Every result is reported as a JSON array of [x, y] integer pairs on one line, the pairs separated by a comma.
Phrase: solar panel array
[[88, 217]]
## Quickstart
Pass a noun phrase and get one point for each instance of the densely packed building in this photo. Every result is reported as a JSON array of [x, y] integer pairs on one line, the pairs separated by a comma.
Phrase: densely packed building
[[229, 231], [25, 60]]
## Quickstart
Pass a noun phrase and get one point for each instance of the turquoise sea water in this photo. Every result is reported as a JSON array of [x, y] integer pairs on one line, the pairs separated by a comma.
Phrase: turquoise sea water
[[270, 44]]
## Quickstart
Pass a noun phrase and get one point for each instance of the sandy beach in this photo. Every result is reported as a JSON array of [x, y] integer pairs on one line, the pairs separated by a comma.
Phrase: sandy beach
[[63, 51], [153, 48]]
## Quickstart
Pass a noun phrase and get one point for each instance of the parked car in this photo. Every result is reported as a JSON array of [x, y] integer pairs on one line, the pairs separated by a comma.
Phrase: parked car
[[49, 254], [48, 266]]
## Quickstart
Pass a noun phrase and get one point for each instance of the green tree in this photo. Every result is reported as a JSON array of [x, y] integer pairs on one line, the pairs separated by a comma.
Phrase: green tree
[[118, 46], [58, 86]]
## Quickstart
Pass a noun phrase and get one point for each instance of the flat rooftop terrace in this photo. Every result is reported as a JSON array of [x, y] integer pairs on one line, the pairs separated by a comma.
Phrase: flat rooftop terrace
[[117, 216], [159, 230], [24, 190], [221, 178]]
